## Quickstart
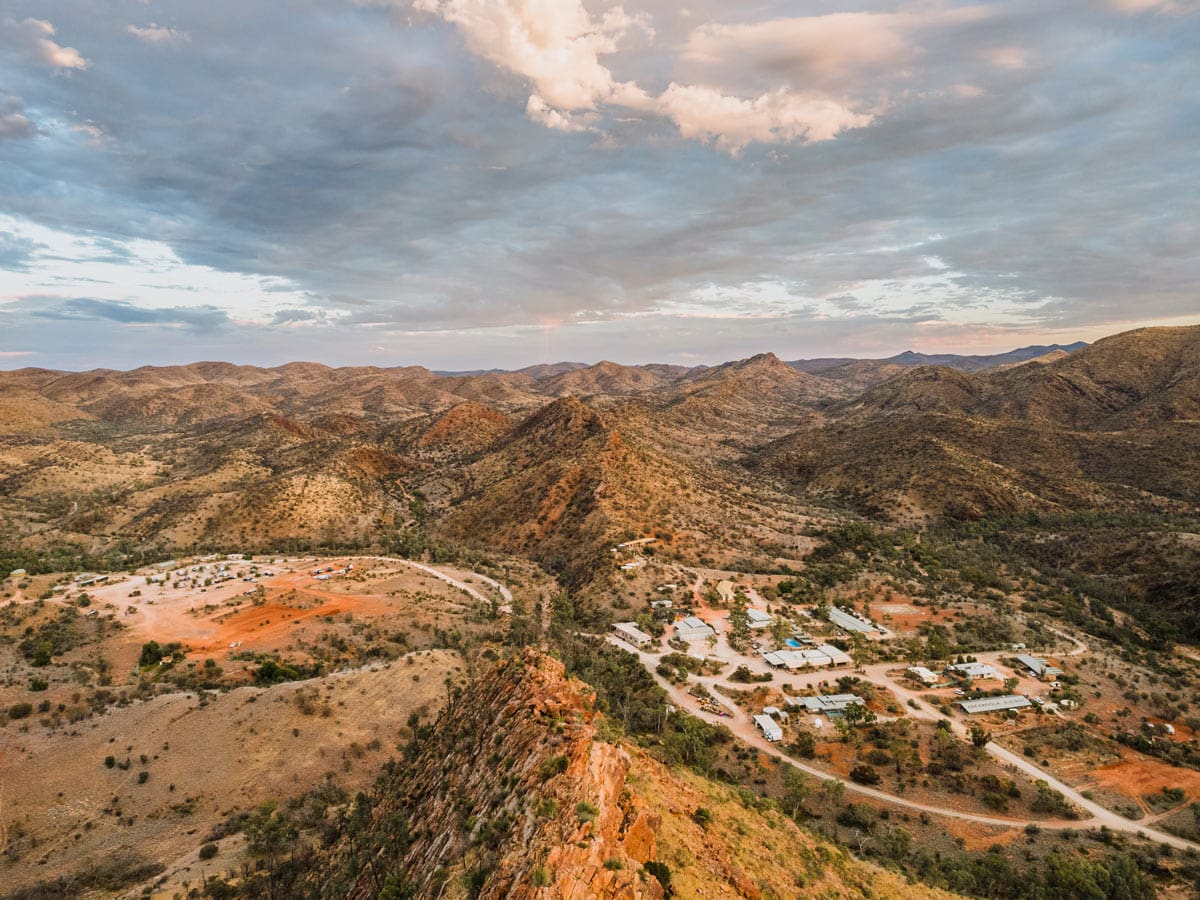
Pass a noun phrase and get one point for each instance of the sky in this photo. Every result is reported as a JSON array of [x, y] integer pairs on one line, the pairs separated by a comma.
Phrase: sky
[[469, 184]]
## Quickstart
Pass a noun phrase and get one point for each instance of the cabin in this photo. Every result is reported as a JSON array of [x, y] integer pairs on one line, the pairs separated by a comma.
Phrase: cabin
[[923, 675], [631, 634], [976, 671]]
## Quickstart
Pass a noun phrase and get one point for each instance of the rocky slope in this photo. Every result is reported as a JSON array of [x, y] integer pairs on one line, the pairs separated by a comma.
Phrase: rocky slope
[[513, 794]]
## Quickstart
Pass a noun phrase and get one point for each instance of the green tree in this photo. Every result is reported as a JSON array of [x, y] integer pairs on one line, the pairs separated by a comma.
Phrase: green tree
[[739, 623], [796, 789]]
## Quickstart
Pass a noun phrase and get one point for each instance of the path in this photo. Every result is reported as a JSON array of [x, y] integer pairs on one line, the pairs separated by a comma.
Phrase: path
[[506, 607]]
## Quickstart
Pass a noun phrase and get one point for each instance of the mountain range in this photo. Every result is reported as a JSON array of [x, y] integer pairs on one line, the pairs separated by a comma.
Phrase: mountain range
[[556, 461]]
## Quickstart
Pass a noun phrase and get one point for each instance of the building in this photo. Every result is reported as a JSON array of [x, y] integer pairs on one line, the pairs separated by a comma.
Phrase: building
[[994, 704], [770, 728], [831, 705], [923, 675], [693, 629], [976, 671], [852, 621], [1037, 667], [631, 634], [825, 656], [775, 713], [759, 619], [661, 604]]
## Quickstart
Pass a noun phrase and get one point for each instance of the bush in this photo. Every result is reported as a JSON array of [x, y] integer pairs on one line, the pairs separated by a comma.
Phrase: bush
[[662, 872], [20, 710], [208, 851], [586, 811], [864, 775], [702, 816], [38, 684], [110, 762]]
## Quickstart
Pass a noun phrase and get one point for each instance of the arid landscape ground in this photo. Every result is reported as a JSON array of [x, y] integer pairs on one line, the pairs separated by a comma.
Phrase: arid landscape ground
[[318, 632]]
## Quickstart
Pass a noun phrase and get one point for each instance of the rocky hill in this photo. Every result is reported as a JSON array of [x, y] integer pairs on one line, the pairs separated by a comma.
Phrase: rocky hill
[[512, 793]]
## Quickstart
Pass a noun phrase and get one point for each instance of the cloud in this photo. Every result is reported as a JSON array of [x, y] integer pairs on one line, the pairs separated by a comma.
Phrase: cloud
[[558, 48], [833, 51], [1176, 7], [391, 179], [13, 122], [35, 37], [539, 111], [732, 123], [199, 318], [158, 34]]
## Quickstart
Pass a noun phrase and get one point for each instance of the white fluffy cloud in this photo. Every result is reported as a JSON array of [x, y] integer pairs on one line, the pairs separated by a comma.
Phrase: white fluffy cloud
[[157, 34], [555, 44], [36, 37], [780, 116], [559, 48]]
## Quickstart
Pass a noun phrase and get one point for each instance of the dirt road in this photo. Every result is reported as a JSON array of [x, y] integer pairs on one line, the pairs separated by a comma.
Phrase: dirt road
[[743, 727]]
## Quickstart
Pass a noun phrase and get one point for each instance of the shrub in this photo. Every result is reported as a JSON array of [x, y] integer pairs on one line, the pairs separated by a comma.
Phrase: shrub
[[702, 816], [552, 766], [38, 684], [208, 851], [20, 710], [586, 811], [662, 872], [863, 774]]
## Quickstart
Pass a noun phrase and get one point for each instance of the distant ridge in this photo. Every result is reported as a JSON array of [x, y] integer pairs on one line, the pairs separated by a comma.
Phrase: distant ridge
[[911, 359]]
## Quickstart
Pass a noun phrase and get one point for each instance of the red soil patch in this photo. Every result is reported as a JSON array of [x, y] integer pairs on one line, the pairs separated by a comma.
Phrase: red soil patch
[[1136, 778], [976, 836]]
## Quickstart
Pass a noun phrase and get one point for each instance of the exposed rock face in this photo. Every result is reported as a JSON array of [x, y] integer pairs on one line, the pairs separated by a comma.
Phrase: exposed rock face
[[511, 796]]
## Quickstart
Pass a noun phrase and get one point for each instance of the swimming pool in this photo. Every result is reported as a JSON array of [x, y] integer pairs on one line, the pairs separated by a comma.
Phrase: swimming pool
[[792, 642]]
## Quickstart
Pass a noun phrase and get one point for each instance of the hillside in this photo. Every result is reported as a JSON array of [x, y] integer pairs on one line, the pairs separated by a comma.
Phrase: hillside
[[567, 810], [1112, 426]]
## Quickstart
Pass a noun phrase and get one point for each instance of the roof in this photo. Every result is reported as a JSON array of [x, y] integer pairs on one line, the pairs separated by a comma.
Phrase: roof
[[974, 669], [1032, 663], [994, 704], [923, 673], [758, 618], [768, 725], [693, 628], [850, 621], [825, 655], [630, 630], [826, 703]]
